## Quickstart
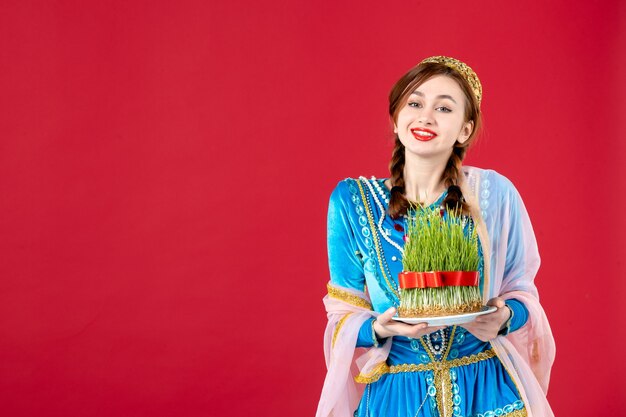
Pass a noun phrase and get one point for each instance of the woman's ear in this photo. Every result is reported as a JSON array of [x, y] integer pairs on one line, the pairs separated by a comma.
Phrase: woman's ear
[[466, 131], [393, 123]]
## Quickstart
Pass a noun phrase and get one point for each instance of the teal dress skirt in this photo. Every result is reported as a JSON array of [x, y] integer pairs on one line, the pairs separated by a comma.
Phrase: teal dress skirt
[[447, 373]]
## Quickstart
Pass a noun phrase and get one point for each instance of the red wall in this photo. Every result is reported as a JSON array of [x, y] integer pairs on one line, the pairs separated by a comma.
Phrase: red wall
[[165, 169]]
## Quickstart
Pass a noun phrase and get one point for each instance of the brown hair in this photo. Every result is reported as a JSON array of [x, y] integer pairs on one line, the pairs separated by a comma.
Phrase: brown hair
[[416, 76]]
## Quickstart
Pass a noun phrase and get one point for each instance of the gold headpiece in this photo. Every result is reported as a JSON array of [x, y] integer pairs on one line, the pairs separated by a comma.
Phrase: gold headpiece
[[463, 69]]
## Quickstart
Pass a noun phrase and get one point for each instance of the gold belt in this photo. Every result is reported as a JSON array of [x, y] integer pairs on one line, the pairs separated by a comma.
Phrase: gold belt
[[441, 374], [383, 368]]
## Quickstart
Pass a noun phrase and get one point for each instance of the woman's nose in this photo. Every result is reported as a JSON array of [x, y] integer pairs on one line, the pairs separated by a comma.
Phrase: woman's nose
[[426, 116]]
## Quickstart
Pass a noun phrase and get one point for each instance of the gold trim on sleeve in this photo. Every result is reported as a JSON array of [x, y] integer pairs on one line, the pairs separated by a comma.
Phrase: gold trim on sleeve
[[347, 297]]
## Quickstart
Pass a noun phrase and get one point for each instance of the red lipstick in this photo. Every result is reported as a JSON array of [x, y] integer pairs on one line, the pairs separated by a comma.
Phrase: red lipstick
[[423, 135]]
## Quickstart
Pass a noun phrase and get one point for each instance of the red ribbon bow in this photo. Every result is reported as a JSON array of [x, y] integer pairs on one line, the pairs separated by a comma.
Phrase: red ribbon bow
[[436, 279]]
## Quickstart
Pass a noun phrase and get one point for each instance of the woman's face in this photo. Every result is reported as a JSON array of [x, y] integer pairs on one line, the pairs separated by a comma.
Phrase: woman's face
[[433, 119]]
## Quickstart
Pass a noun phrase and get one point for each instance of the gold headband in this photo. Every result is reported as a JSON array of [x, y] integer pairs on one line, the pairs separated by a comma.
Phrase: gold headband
[[463, 69]]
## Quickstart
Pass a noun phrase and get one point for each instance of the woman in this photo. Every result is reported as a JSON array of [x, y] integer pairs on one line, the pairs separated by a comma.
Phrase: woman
[[497, 365]]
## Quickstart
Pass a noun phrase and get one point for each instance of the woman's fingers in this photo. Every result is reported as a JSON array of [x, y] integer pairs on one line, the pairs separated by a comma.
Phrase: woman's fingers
[[386, 316], [488, 318], [421, 329], [497, 302], [434, 328], [499, 316], [484, 330], [404, 329], [385, 326]]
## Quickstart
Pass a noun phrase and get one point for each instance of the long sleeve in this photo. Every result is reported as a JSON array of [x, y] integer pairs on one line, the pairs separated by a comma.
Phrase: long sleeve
[[520, 314], [367, 336], [346, 268]]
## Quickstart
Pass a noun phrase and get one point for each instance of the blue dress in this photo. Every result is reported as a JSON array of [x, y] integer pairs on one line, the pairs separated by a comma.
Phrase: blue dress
[[446, 373]]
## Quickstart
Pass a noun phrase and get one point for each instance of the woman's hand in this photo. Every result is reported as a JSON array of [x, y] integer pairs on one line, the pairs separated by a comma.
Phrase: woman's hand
[[487, 326], [384, 327]]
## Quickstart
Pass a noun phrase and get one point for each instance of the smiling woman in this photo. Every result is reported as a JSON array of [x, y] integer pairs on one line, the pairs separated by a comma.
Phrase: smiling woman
[[496, 365], [435, 110]]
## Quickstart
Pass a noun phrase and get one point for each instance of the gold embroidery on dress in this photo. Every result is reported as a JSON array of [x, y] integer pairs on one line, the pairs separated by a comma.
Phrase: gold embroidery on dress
[[441, 374], [338, 328], [378, 371], [517, 413], [349, 298], [375, 238]]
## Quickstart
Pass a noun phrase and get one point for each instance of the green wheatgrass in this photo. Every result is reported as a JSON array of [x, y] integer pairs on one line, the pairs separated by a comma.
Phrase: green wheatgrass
[[435, 244]]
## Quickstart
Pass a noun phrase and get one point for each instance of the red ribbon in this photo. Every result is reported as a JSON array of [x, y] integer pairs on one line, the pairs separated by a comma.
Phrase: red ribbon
[[436, 279]]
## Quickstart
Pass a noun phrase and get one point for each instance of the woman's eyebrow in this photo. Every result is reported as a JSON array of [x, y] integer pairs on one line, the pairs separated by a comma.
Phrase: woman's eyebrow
[[419, 93]]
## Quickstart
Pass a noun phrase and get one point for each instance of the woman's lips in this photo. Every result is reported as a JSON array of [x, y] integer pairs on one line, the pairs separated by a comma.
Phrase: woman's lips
[[423, 135]]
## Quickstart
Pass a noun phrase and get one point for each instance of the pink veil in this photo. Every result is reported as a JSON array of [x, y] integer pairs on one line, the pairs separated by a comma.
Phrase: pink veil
[[347, 309], [528, 353]]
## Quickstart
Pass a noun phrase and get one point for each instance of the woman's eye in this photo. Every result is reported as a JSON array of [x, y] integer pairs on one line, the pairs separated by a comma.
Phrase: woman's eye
[[418, 105]]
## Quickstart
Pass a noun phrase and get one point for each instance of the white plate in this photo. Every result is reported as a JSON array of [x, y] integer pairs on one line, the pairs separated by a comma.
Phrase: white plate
[[447, 320]]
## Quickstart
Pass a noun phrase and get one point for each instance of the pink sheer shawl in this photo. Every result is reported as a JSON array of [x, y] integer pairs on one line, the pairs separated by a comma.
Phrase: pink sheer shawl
[[528, 353], [346, 309]]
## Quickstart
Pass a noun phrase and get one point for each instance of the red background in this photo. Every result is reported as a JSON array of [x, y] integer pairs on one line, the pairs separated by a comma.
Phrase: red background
[[165, 169]]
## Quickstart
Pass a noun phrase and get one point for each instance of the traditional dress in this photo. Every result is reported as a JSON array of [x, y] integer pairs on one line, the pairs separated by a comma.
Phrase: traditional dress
[[449, 373]]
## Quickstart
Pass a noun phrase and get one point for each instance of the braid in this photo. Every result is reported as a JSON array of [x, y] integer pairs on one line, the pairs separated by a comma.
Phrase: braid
[[398, 203], [451, 174]]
